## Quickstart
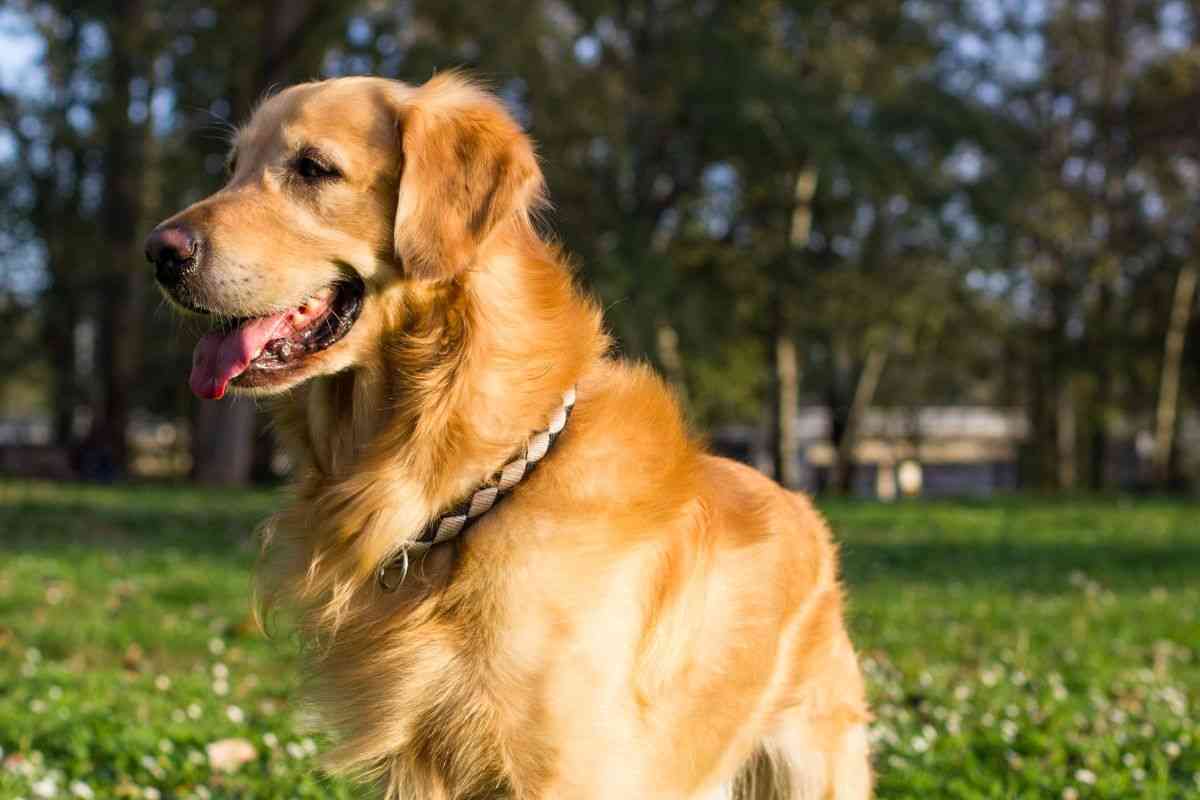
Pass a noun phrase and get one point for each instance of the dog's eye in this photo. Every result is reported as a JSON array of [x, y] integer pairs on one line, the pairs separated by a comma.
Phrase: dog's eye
[[312, 170]]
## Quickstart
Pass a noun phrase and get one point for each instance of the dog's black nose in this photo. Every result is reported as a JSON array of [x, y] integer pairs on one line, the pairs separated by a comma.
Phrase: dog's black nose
[[172, 251]]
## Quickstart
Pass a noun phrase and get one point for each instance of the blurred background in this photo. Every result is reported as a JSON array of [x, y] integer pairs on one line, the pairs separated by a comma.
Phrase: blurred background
[[879, 246]]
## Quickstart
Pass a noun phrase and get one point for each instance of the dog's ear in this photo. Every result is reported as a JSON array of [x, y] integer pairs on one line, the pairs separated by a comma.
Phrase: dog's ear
[[468, 169]]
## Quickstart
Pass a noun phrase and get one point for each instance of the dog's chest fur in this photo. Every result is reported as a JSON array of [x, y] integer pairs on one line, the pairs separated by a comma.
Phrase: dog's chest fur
[[414, 694]]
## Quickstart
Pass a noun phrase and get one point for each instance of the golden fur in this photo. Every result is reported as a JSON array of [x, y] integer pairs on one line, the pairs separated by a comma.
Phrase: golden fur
[[638, 619]]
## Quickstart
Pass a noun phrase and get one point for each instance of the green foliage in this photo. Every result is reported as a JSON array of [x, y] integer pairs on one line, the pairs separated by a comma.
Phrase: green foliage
[[1004, 192], [1017, 648]]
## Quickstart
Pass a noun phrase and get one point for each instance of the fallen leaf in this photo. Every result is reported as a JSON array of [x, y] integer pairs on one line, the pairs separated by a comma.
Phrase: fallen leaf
[[227, 755], [133, 657]]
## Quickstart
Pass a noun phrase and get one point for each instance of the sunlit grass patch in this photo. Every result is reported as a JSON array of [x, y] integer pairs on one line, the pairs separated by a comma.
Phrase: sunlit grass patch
[[1029, 648]]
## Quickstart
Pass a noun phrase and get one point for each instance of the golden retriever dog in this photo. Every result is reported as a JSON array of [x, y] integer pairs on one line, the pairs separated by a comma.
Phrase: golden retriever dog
[[634, 618]]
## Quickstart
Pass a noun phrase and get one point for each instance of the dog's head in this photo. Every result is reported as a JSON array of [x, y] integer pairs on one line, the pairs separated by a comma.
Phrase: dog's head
[[340, 195]]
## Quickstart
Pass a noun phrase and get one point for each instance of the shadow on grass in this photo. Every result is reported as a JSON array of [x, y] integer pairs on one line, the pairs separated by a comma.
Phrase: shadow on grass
[[1014, 544], [1040, 567], [46, 517]]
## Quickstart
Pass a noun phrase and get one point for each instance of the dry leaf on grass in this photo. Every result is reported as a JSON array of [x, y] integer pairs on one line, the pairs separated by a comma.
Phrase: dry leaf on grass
[[227, 755]]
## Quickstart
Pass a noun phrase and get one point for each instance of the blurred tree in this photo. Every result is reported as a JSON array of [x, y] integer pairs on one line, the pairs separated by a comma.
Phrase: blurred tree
[[78, 156], [1164, 117], [874, 201], [688, 143], [1088, 234], [276, 45], [122, 296], [46, 201]]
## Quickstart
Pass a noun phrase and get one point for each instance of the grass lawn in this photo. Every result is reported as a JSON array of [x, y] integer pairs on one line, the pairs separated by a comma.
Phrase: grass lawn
[[1021, 648]]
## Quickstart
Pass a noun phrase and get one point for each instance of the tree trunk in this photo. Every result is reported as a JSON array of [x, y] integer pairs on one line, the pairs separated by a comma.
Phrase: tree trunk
[[1039, 449], [1101, 398], [1168, 392], [864, 393], [62, 315], [1059, 387], [785, 363], [787, 379], [667, 347], [122, 294], [223, 443], [1066, 435]]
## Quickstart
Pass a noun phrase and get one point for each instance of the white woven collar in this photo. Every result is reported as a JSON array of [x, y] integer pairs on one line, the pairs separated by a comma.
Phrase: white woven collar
[[453, 522]]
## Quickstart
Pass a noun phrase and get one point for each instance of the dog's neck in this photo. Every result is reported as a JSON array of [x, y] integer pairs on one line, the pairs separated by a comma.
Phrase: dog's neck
[[462, 373]]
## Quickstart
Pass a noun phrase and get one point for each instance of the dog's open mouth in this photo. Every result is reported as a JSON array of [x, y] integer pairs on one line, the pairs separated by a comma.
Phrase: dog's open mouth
[[257, 351]]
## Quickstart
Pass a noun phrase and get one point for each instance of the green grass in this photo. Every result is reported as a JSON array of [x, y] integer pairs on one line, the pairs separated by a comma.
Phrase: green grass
[[1023, 648]]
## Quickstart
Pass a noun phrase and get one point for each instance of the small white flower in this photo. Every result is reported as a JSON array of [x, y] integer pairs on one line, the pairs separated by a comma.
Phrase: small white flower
[[1070, 793], [235, 714], [270, 740], [1085, 776], [150, 793], [82, 790], [166, 745], [219, 670], [1172, 749], [162, 683], [194, 711], [216, 646], [46, 787], [295, 750], [220, 687]]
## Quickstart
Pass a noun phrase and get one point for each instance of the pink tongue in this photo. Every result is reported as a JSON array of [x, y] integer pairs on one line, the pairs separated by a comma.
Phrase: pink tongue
[[221, 357]]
